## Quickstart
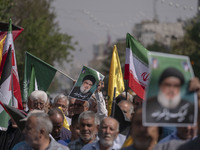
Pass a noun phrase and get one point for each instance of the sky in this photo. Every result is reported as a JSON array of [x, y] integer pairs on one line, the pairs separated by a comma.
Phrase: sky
[[90, 21]]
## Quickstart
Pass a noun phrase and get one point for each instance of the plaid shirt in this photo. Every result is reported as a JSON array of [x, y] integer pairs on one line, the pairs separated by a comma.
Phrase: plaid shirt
[[77, 144]]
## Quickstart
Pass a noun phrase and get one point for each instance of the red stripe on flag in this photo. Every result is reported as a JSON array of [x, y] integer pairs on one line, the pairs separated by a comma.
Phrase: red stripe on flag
[[126, 72], [17, 92], [135, 86]]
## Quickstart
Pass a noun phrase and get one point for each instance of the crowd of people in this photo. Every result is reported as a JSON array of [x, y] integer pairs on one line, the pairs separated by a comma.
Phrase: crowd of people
[[90, 128]]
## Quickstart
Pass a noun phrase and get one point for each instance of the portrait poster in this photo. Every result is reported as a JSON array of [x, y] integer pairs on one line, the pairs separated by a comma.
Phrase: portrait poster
[[167, 99], [86, 84]]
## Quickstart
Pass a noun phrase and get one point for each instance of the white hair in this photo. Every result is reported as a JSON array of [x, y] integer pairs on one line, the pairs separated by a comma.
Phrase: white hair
[[38, 94]]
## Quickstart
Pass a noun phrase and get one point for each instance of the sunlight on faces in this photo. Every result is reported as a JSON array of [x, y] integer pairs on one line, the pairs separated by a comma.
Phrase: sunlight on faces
[[169, 95], [88, 129], [108, 131], [86, 86]]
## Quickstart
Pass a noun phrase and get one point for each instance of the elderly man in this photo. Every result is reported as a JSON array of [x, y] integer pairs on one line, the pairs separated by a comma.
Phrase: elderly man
[[83, 92], [80, 106], [88, 124], [38, 100], [168, 106], [62, 101], [37, 130], [57, 119], [108, 131], [127, 108]]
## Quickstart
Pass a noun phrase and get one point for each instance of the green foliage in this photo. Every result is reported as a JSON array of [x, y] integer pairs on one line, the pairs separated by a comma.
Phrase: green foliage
[[41, 36], [190, 44]]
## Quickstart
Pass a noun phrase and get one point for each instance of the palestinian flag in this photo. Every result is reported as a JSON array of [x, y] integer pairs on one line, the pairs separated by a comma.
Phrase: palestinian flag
[[136, 66], [6, 89], [38, 75], [4, 29]]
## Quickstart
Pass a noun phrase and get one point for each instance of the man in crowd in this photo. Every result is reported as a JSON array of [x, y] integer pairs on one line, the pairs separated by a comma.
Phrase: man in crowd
[[144, 138], [57, 119], [181, 133], [108, 131], [83, 92], [37, 130], [88, 124], [127, 108], [80, 106], [62, 101], [39, 100], [71, 107]]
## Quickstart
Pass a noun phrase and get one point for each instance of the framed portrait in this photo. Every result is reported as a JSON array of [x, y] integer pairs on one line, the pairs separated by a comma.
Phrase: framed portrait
[[167, 99], [86, 84]]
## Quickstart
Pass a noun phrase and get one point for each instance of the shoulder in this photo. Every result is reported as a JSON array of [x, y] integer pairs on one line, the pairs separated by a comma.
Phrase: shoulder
[[22, 146], [170, 145], [57, 146], [91, 146]]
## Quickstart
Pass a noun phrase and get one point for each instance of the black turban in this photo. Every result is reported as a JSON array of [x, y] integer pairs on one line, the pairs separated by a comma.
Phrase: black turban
[[89, 77], [171, 72]]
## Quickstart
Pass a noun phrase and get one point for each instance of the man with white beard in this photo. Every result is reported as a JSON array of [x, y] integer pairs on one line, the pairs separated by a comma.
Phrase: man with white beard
[[108, 131], [168, 105], [83, 92]]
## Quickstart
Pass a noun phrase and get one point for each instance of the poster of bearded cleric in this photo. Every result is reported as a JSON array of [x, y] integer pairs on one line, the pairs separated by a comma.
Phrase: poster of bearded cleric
[[167, 99], [86, 84]]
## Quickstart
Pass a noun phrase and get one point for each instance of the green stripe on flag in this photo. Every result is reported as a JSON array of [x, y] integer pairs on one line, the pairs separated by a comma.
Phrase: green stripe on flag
[[137, 49]]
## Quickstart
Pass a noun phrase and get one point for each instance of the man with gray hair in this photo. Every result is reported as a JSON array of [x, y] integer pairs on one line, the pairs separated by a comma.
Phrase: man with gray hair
[[37, 130], [62, 101], [108, 131], [88, 124], [127, 108], [39, 100]]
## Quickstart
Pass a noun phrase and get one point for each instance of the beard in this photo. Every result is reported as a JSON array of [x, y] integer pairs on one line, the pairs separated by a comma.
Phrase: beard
[[168, 103], [87, 138], [106, 143], [83, 90]]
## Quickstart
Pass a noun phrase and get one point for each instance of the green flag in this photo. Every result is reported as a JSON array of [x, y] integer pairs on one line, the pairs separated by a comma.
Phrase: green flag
[[36, 70]]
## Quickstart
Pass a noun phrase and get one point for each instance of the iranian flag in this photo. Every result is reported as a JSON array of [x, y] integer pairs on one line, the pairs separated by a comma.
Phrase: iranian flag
[[136, 66]]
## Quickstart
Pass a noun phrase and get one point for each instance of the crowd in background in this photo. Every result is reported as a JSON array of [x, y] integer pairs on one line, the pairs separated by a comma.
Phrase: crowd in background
[[68, 123]]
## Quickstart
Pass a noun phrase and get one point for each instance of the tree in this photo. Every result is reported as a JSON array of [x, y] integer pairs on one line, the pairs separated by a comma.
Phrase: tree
[[190, 44], [41, 35]]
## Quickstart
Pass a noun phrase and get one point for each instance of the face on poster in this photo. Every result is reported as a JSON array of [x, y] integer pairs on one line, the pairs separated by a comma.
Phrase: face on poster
[[86, 84], [167, 99]]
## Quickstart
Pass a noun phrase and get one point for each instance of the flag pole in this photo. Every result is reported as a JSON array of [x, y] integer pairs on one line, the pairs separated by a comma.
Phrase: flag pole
[[126, 89], [65, 75], [113, 104]]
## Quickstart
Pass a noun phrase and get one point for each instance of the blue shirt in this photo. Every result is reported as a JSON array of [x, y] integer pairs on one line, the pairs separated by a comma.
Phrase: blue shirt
[[95, 146], [172, 136]]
